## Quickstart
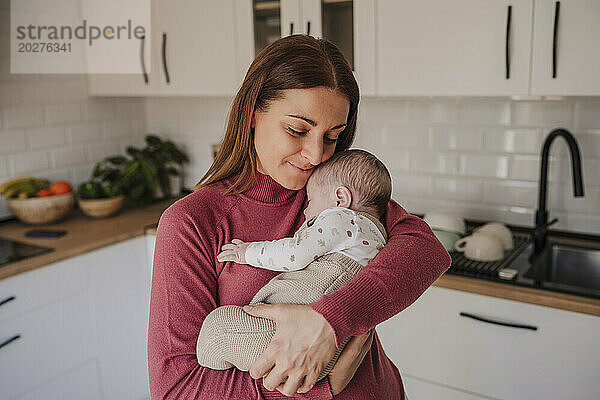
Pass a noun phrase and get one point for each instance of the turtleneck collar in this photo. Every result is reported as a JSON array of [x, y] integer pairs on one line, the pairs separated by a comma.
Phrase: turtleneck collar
[[265, 189]]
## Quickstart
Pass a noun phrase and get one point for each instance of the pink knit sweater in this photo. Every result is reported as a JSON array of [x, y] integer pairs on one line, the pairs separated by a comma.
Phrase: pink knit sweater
[[188, 282]]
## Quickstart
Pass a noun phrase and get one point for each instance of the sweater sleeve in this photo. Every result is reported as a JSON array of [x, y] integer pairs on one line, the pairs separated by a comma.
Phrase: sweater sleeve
[[184, 291], [407, 265]]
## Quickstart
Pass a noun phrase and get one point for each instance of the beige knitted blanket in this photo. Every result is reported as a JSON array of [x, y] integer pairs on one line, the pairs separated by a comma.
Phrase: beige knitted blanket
[[231, 338]]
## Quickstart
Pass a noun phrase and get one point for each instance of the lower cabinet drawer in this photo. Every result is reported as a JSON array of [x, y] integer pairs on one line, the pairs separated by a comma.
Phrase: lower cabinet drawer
[[52, 340], [418, 389], [432, 341], [79, 383]]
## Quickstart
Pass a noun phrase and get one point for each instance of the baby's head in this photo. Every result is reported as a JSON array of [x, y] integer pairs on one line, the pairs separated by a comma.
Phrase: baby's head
[[354, 179]]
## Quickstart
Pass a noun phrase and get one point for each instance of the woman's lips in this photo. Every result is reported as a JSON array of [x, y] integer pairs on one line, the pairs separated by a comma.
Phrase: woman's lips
[[303, 170]]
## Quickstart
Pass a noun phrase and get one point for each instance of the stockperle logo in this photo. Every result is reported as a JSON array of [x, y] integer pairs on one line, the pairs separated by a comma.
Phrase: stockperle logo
[[80, 36]]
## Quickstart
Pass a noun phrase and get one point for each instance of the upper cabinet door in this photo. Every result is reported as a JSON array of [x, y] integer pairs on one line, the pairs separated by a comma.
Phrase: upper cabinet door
[[144, 54], [197, 47], [460, 47], [566, 48]]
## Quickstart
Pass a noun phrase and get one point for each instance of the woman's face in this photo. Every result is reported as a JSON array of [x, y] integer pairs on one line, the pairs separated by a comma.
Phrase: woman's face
[[298, 132]]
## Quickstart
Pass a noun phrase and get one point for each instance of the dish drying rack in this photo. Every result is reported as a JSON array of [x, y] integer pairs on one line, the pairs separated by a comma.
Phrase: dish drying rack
[[462, 265]]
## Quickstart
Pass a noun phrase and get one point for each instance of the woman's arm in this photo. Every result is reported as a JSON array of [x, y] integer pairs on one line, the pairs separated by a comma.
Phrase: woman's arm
[[408, 264], [184, 291]]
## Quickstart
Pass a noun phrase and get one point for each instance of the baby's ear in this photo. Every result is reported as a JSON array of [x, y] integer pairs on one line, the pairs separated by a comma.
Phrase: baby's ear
[[343, 197]]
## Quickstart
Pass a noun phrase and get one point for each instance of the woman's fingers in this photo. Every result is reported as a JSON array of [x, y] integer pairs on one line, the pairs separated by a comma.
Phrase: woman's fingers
[[291, 385], [268, 311], [274, 378]]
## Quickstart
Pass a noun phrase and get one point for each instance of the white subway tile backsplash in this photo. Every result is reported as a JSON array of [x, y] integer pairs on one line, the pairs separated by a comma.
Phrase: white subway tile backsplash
[[437, 112], [12, 141], [543, 113], [587, 115], [483, 165], [67, 157], [584, 223], [85, 133], [525, 168], [117, 129], [3, 167], [405, 186], [45, 137], [384, 110], [589, 143], [22, 117], [433, 162], [10, 93], [458, 189], [562, 199], [80, 174], [99, 110], [485, 112], [28, 162], [399, 136], [98, 152], [524, 141], [464, 138], [511, 193], [63, 113], [394, 159]]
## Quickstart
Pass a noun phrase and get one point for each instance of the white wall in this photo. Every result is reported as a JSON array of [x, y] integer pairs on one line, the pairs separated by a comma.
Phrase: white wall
[[50, 127], [479, 157]]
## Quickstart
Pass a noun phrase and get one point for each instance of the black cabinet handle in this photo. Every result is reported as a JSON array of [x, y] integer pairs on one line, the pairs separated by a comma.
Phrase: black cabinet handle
[[6, 300], [308, 27], [164, 57], [291, 28], [9, 341], [507, 55], [142, 45], [491, 321], [556, 15]]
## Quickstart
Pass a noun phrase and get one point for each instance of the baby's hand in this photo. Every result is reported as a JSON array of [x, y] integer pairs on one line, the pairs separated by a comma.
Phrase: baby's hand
[[235, 252]]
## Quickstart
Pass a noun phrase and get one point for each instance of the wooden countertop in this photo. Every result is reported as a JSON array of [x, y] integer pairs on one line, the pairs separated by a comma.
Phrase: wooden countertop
[[84, 234]]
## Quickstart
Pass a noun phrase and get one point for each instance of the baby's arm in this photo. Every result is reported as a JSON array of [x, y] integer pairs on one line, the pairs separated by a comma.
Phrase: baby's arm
[[332, 230]]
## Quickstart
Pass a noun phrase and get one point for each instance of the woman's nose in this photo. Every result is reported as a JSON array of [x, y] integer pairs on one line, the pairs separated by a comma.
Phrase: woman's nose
[[312, 149]]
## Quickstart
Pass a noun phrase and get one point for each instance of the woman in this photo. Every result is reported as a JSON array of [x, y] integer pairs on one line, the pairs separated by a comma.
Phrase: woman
[[297, 106]]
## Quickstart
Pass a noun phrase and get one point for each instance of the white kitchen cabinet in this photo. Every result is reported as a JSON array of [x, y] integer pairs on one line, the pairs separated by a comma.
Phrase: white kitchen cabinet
[[433, 47], [573, 69], [431, 342], [198, 48], [53, 329], [416, 388], [79, 383], [120, 294]]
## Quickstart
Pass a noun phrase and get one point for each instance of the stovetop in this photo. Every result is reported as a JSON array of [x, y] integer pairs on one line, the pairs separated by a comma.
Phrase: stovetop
[[11, 250]]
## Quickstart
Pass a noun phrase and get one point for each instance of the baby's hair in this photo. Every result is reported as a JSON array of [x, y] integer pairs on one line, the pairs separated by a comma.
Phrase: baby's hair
[[364, 174]]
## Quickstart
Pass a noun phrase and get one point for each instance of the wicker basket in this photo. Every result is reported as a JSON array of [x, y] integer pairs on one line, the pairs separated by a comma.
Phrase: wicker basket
[[42, 210], [101, 208]]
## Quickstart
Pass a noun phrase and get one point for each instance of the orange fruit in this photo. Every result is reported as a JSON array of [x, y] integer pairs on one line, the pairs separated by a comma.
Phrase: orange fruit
[[44, 193], [60, 187]]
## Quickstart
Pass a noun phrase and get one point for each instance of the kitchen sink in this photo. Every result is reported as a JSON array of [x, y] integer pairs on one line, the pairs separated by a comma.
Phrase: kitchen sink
[[569, 265]]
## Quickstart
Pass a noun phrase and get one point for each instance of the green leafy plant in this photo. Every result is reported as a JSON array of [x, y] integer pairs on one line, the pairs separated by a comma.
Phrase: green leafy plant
[[138, 175]]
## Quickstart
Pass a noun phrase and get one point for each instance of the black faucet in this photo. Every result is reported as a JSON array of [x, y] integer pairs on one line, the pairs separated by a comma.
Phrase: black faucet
[[541, 215]]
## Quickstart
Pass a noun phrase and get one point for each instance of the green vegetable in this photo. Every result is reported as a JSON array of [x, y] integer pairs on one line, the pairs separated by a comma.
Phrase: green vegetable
[[111, 190], [90, 190]]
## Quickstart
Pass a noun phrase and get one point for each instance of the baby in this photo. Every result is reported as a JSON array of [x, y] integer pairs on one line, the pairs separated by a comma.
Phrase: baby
[[347, 195]]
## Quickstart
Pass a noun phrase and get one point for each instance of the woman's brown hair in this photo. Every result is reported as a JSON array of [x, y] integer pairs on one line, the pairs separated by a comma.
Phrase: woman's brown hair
[[292, 62]]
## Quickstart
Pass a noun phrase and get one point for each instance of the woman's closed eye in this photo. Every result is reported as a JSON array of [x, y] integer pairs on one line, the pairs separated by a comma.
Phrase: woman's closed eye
[[302, 133]]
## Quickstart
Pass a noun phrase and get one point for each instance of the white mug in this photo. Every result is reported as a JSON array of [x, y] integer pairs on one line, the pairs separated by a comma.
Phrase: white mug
[[499, 231], [480, 247]]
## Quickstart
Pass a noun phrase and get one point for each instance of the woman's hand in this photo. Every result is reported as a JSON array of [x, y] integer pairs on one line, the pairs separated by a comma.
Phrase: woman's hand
[[302, 346], [352, 356]]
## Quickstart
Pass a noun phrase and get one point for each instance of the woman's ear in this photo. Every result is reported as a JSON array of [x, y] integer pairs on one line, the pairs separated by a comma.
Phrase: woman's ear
[[343, 197]]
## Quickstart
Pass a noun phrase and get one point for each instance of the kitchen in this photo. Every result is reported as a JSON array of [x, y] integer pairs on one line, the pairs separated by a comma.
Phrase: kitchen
[[458, 99]]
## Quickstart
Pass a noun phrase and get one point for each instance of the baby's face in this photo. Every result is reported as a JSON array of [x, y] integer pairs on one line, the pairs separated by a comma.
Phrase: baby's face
[[318, 199]]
